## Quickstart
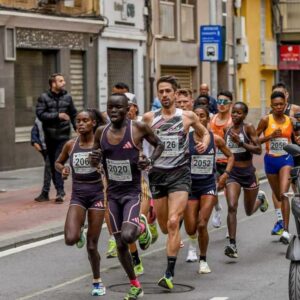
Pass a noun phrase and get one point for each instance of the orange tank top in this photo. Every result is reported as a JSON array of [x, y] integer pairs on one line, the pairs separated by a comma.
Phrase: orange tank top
[[274, 147], [218, 130]]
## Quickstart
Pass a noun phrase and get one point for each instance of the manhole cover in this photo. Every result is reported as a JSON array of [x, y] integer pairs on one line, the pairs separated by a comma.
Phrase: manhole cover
[[152, 288]]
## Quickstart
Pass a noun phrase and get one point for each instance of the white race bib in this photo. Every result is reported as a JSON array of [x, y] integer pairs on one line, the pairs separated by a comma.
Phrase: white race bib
[[119, 170], [81, 163], [276, 146], [234, 148], [202, 164], [171, 144]]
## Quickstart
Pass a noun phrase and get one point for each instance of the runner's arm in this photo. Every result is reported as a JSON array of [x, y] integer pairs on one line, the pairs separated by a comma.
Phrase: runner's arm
[[63, 157], [220, 143], [255, 146], [262, 126], [95, 156]]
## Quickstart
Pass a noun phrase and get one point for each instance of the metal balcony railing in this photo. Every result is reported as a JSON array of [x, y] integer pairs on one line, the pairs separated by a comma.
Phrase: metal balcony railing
[[290, 12]]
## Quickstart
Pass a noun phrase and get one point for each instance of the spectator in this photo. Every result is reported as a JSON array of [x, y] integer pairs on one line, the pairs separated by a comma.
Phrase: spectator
[[38, 142], [55, 109], [184, 99], [204, 90], [120, 88], [156, 104]]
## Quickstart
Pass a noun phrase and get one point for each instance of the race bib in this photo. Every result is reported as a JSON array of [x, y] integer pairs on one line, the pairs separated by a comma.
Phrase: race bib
[[119, 170], [81, 163], [202, 164], [276, 146], [171, 144], [234, 148]]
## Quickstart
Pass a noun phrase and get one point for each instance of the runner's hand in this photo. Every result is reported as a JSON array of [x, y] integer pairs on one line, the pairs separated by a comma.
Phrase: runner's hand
[[297, 140], [235, 137], [65, 172], [95, 158], [201, 147], [144, 162], [222, 181], [276, 133]]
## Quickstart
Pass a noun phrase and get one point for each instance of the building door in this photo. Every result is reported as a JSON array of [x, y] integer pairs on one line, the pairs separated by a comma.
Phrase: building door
[[183, 74], [120, 68], [291, 79], [77, 79]]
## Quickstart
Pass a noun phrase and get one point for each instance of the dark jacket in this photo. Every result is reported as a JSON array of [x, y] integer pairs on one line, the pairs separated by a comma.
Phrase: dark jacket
[[49, 105], [37, 134], [212, 106]]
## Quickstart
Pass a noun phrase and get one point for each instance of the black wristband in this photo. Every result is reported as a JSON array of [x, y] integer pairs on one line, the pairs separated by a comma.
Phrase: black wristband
[[241, 144]]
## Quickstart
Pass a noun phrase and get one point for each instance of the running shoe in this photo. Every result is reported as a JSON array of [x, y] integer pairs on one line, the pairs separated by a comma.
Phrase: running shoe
[[231, 251], [203, 267], [166, 283], [82, 239], [44, 196], [278, 228], [264, 201], [154, 232], [285, 237], [216, 219], [145, 238], [192, 253], [139, 269], [98, 289], [112, 249], [134, 293]]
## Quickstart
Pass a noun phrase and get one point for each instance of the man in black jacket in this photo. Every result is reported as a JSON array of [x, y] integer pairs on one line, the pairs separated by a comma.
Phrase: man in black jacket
[[55, 109]]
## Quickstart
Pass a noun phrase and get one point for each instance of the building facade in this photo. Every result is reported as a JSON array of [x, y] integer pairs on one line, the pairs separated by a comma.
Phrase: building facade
[[40, 38], [122, 49]]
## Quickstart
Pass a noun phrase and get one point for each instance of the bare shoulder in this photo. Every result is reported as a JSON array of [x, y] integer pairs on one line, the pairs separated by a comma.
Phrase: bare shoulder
[[249, 126], [140, 125]]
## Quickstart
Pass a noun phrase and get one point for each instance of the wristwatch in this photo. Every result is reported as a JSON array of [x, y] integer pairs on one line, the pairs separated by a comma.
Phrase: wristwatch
[[241, 144]]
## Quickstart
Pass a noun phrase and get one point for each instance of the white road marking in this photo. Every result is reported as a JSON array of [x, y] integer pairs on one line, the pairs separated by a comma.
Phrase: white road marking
[[219, 298]]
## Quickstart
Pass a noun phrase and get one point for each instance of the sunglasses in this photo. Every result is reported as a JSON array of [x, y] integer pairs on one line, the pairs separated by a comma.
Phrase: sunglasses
[[223, 101]]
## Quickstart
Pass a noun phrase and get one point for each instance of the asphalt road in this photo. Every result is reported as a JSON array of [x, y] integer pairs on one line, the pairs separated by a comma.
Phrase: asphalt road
[[55, 271]]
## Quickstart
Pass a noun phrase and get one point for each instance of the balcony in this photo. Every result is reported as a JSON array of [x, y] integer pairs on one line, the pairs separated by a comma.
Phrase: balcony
[[290, 12], [268, 55], [75, 8]]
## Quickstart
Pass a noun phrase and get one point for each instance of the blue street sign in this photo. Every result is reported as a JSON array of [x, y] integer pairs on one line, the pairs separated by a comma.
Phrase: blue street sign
[[212, 38]]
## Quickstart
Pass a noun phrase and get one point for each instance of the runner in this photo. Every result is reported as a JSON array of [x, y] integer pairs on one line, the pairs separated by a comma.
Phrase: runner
[[278, 130], [203, 195], [170, 177], [119, 144], [218, 122], [242, 140], [87, 192]]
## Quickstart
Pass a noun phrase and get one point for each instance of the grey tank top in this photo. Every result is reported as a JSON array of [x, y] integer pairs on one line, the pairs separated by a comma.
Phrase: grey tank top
[[175, 139]]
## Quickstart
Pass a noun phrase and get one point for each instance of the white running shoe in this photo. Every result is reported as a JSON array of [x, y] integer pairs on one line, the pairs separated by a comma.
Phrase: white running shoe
[[216, 219], [203, 267], [285, 237], [192, 253]]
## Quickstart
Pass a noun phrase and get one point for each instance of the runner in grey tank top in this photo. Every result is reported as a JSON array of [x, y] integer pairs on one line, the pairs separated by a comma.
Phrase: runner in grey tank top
[[170, 178]]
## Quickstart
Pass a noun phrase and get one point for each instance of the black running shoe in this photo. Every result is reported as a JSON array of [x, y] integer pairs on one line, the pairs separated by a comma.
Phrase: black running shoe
[[42, 197], [231, 251]]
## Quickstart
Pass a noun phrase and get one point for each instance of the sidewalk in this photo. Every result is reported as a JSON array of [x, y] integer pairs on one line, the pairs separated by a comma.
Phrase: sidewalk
[[23, 220]]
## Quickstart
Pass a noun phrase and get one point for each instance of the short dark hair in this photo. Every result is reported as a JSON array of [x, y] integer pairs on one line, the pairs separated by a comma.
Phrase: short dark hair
[[277, 94], [52, 78], [227, 94], [244, 106], [197, 101], [121, 86], [204, 107], [96, 115], [185, 92], [169, 79], [279, 85]]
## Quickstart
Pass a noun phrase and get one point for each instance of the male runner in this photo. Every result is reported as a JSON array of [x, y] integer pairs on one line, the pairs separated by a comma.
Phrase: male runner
[[170, 178], [119, 146]]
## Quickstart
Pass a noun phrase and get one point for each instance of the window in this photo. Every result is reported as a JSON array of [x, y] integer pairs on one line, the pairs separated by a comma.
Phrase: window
[[167, 19], [32, 69], [188, 20], [224, 12], [10, 44]]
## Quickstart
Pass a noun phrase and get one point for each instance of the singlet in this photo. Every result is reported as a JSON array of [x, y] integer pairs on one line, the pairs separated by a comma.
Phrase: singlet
[[240, 153], [176, 141], [274, 147], [218, 130], [82, 171], [120, 161], [203, 166]]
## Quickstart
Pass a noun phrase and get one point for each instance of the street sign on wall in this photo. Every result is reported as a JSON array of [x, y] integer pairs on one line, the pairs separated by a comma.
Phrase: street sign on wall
[[289, 57], [212, 40]]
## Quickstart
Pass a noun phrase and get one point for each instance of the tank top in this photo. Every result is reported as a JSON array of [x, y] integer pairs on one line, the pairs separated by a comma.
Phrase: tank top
[[218, 130], [82, 171], [175, 139], [274, 147], [240, 153], [120, 161], [203, 166]]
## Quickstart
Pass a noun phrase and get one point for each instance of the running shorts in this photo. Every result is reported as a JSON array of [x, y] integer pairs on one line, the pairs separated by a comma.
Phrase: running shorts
[[202, 188], [245, 177], [273, 164]]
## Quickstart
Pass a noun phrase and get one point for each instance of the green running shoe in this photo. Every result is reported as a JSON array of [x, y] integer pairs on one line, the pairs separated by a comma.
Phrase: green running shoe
[[154, 232], [264, 201], [134, 293], [166, 283], [139, 269], [112, 249], [98, 289], [82, 239], [145, 238]]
